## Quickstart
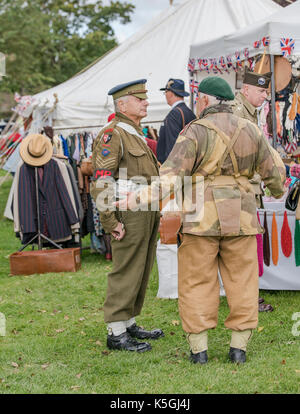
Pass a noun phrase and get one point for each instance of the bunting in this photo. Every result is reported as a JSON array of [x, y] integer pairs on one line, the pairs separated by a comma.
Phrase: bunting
[[287, 46]]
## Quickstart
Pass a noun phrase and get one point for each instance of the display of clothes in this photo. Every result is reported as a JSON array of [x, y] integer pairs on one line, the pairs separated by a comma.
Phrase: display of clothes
[[287, 109], [59, 203], [77, 147]]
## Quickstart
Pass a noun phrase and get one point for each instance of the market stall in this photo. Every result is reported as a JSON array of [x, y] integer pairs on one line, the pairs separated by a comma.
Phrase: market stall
[[273, 44]]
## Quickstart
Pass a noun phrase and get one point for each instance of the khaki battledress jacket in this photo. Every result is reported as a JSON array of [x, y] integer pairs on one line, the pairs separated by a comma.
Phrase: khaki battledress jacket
[[243, 108], [121, 145], [229, 205]]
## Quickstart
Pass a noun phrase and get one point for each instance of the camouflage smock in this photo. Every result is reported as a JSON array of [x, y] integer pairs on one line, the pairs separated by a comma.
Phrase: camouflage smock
[[229, 210]]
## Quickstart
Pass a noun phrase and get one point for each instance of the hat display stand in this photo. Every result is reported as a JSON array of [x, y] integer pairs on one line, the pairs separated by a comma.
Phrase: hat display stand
[[39, 236], [43, 261]]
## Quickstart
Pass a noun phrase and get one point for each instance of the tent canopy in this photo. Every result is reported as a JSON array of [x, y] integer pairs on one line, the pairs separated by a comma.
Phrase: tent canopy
[[158, 52], [250, 41]]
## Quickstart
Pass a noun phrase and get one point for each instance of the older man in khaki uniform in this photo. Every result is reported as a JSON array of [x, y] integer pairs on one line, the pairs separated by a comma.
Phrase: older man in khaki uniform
[[225, 151], [121, 153]]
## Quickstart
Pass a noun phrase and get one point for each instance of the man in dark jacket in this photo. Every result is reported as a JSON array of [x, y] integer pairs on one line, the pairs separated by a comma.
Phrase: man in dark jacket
[[179, 116]]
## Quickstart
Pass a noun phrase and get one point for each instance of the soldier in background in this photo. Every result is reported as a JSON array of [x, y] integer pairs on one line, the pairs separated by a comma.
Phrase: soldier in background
[[253, 94], [226, 151], [121, 145]]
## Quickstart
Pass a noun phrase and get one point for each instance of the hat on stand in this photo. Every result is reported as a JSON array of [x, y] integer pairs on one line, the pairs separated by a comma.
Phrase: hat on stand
[[36, 150]]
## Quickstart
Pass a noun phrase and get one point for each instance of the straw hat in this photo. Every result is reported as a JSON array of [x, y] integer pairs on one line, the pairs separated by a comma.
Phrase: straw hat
[[36, 150]]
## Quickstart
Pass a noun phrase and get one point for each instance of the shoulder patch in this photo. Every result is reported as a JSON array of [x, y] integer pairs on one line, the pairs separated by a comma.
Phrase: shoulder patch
[[106, 138], [108, 130], [105, 152]]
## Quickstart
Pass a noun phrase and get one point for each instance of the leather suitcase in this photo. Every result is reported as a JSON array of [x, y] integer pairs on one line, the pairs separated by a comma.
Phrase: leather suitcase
[[45, 261]]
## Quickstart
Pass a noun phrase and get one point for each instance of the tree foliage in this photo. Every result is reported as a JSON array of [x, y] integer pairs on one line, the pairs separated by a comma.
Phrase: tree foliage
[[48, 41]]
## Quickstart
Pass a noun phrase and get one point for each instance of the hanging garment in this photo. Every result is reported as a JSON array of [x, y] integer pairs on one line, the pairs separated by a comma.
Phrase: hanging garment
[[286, 237], [266, 242], [260, 251], [297, 242], [293, 110], [275, 250], [55, 206]]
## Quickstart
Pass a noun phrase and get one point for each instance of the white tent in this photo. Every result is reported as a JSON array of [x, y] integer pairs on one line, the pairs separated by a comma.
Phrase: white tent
[[157, 52], [283, 24]]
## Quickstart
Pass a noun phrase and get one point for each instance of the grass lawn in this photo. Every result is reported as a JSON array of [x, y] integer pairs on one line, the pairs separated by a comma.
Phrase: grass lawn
[[56, 339]]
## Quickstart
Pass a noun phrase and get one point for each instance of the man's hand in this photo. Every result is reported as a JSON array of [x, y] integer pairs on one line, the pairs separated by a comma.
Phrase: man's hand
[[127, 203], [119, 232]]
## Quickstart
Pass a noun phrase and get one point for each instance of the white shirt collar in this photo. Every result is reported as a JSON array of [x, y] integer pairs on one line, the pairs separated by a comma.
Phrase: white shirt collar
[[177, 103]]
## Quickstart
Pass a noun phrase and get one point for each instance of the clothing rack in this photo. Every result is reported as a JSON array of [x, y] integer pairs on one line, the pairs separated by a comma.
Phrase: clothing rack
[[57, 128], [39, 235]]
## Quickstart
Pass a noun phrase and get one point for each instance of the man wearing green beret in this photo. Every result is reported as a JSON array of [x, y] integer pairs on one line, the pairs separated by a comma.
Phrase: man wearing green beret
[[222, 151], [120, 156]]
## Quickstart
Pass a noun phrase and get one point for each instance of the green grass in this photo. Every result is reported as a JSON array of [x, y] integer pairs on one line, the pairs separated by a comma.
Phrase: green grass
[[56, 338]]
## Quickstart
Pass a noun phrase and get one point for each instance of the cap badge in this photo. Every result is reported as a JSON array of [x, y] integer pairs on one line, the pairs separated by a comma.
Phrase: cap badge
[[261, 81]]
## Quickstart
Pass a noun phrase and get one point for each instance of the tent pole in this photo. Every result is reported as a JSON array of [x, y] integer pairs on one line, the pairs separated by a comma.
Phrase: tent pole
[[274, 123]]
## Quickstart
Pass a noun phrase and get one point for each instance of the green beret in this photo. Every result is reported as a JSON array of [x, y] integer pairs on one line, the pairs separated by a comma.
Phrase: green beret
[[261, 80], [218, 87]]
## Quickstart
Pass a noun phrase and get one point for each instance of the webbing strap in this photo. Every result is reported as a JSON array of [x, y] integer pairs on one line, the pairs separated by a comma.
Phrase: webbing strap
[[227, 141]]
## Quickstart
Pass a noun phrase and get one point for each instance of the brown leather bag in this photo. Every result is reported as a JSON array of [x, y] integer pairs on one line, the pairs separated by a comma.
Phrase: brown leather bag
[[86, 167], [169, 227], [45, 261]]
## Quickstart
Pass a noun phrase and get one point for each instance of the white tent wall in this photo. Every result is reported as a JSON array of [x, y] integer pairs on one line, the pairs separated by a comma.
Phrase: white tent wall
[[157, 52], [284, 23]]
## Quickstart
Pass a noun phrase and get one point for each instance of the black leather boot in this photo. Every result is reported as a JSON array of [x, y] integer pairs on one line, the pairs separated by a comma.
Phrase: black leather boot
[[127, 343], [199, 358], [138, 332], [237, 355]]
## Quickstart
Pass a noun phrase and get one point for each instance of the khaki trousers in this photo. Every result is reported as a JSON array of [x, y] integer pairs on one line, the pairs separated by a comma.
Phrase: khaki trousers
[[133, 259], [199, 259]]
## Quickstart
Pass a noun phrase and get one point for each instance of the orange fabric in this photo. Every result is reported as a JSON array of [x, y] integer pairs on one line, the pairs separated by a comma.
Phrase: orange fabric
[[293, 110], [274, 241], [298, 108], [278, 118]]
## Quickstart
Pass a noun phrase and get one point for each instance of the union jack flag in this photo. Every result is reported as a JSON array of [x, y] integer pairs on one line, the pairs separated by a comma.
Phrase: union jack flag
[[246, 52], [287, 46], [222, 63], [194, 86], [238, 59], [256, 44], [199, 64], [213, 65], [266, 41], [205, 65], [229, 61], [291, 146], [191, 65]]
